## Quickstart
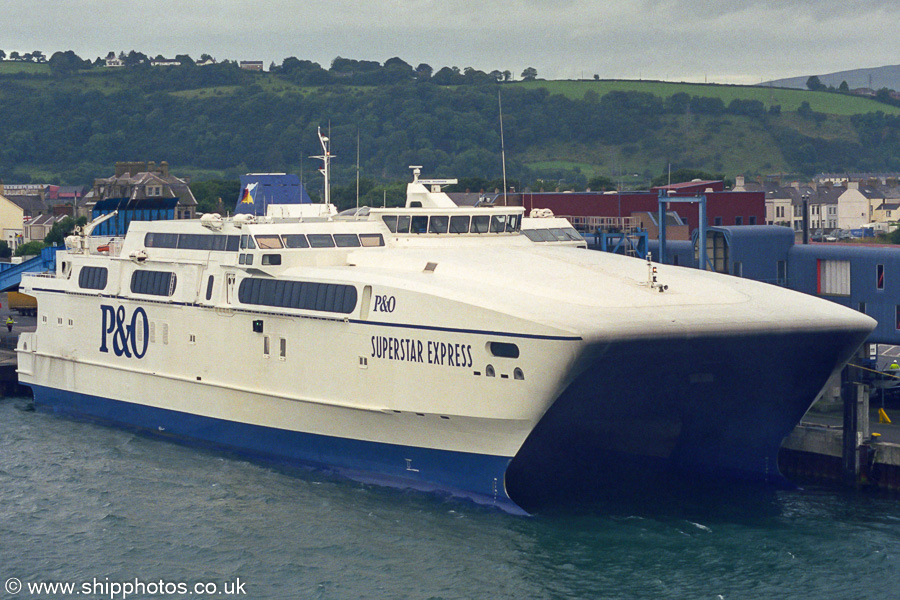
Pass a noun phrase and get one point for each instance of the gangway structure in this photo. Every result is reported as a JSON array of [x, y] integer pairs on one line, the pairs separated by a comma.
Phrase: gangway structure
[[620, 235], [11, 274]]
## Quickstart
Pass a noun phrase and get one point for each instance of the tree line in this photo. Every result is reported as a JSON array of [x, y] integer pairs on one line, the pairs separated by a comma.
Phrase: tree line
[[399, 114], [341, 71]]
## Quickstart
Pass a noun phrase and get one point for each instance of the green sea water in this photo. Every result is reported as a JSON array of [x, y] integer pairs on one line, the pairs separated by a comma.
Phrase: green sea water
[[90, 505]]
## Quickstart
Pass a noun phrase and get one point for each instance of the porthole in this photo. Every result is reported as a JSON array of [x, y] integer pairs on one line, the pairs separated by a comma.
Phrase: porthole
[[518, 374], [489, 371]]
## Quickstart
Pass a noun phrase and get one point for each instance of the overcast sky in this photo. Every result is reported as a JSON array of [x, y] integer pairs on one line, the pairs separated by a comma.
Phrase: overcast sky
[[723, 41]]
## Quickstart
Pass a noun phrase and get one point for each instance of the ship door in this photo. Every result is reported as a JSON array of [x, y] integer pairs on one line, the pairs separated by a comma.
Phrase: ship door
[[229, 288]]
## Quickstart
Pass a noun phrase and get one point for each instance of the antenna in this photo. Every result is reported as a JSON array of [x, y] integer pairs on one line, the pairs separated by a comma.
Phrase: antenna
[[357, 171], [502, 148], [326, 159]]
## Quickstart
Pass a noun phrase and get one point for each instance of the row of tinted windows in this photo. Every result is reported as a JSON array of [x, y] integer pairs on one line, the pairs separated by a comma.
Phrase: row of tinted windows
[[306, 295], [92, 278], [452, 224], [233, 243], [154, 283], [319, 240], [192, 241], [555, 234]]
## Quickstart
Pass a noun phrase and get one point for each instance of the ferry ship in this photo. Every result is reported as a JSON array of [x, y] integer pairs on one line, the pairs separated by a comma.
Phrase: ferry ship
[[432, 346]]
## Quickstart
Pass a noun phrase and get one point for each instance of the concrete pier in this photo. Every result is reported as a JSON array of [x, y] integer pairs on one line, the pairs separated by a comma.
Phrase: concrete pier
[[815, 450], [9, 381]]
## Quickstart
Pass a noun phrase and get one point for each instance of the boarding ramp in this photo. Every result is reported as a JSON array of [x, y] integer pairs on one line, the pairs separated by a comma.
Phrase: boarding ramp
[[11, 274]]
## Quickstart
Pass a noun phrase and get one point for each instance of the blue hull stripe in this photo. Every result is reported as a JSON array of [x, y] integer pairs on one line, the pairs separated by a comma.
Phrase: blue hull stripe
[[459, 474]]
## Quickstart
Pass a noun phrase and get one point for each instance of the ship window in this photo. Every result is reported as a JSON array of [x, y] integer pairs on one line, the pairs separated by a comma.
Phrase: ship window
[[782, 272], [513, 222], [419, 224], [503, 349], [265, 345], [572, 234], [295, 241], [518, 374], [403, 224], [283, 350], [879, 277], [391, 222], [233, 243], [271, 259], [459, 224], [438, 224], [320, 240], [559, 234], [153, 283], [498, 223], [242, 259], [268, 242], [249, 259], [480, 223], [327, 297], [370, 240], [346, 240], [195, 241], [533, 234], [489, 371], [92, 278], [209, 287], [161, 240], [833, 277], [862, 307]]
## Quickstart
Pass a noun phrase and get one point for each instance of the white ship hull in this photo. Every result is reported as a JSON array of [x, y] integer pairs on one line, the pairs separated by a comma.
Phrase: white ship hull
[[482, 364]]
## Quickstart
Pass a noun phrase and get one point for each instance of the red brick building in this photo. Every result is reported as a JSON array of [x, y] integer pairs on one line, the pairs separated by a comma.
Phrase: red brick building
[[722, 207]]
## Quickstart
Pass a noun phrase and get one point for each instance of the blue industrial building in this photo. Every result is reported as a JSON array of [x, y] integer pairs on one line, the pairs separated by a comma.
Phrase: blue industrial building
[[864, 278]]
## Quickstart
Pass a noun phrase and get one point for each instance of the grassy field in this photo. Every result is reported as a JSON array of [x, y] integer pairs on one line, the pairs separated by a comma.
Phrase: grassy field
[[8, 67], [789, 100]]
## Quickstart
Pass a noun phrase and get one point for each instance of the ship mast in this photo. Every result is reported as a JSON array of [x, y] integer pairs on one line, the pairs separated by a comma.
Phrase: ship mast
[[326, 159]]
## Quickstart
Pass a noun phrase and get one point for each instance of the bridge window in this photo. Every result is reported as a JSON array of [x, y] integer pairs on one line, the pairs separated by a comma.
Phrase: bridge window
[[403, 223], [268, 242], [295, 241], [391, 222], [438, 224], [459, 224], [480, 223], [419, 224]]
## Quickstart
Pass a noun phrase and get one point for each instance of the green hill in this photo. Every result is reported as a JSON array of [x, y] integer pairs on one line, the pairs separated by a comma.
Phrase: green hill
[[66, 124]]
